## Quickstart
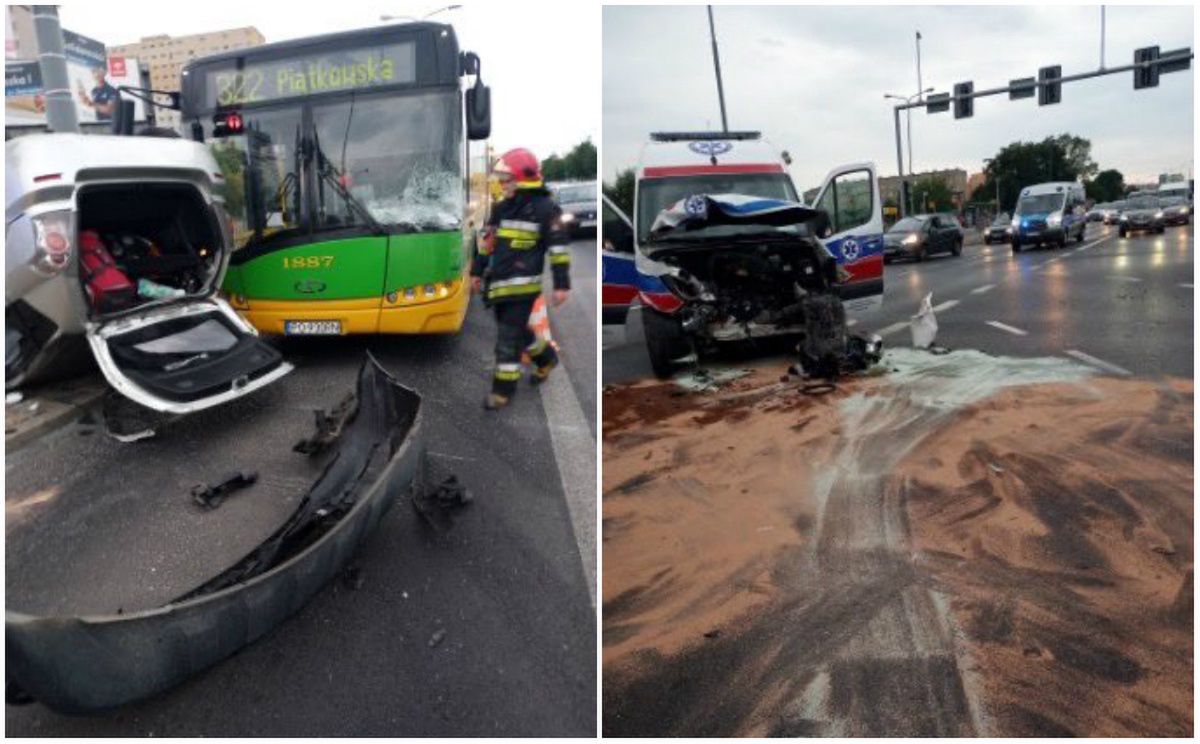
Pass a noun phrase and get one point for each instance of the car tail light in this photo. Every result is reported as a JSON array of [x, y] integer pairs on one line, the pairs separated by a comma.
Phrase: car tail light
[[52, 238]]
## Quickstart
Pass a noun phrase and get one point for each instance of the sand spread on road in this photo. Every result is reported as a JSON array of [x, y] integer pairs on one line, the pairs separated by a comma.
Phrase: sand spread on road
[[1029, 557]]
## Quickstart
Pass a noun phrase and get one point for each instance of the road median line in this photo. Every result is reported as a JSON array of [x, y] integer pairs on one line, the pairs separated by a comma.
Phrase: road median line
[[1007, 328]]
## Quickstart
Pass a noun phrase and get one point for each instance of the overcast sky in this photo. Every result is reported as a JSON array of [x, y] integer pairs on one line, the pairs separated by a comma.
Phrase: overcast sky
[[812, 80], [542, 62]]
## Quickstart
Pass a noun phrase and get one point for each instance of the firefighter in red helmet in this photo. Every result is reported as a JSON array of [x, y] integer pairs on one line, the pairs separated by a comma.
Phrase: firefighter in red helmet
[[523, 232]]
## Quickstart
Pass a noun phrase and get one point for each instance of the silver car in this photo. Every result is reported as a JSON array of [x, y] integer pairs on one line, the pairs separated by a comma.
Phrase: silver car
[[122, 242]]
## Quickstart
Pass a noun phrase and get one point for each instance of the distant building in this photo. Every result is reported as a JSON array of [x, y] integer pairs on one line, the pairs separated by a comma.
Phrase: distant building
[[975, 181], [1170, 178], [165, 57]]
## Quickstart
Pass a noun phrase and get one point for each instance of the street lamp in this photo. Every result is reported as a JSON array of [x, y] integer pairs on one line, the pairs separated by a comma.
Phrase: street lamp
[[430, 14], [906, 100]]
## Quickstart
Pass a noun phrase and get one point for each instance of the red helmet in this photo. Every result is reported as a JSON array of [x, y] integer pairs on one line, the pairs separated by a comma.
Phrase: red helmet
[[522, 166]]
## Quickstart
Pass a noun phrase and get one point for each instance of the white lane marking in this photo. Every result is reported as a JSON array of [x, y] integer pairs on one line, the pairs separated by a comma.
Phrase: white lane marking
[[888, 330], [1186, 286], [945, 306], [1098, 363], [984, 288], [1005, 327], [575, 455], [1125, 278]]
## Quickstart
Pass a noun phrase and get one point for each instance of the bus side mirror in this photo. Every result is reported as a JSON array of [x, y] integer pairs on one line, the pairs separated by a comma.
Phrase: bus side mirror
[[479, 111]]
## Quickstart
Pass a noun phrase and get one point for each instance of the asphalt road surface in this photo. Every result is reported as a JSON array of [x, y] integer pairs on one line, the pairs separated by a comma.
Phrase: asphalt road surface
[[485, 628], [1122, 305]]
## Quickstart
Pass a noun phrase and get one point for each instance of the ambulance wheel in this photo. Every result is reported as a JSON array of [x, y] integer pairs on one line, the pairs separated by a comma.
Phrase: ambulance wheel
[[665, 342]]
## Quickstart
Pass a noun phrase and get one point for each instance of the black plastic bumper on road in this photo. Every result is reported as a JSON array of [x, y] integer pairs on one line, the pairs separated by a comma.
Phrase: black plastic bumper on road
[[89, 664]]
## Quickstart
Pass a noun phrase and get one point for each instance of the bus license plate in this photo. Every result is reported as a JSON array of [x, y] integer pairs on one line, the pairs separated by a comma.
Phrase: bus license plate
[[313, 328]]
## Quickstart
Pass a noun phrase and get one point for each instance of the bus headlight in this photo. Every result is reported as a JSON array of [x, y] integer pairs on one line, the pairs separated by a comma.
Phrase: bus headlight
[[1055, 219]]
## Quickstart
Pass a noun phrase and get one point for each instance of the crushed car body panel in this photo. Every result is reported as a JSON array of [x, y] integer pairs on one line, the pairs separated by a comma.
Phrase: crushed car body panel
[[84, 665]]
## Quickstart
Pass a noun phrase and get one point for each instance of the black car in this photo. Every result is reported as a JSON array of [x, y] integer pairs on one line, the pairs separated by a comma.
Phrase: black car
[[1141, 213], [921, 235], [578, 202], [1000, 231], [1176, 211]]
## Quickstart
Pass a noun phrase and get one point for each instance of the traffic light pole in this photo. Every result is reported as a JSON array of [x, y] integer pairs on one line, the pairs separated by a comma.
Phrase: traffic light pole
[[1027, 88], [899, 161], [1033, 85]]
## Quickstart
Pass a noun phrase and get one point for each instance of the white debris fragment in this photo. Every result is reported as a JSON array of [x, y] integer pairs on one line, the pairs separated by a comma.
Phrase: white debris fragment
[[924, 324]]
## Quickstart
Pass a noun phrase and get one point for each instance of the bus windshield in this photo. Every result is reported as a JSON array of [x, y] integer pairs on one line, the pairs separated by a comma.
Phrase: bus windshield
[[395, 160], [378, 162]]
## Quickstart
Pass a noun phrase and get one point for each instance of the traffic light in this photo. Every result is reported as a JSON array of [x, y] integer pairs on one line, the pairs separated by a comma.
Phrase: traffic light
[[1021, 88], [964, 105], [1175, 60], [1145, 77], [1049, 89]]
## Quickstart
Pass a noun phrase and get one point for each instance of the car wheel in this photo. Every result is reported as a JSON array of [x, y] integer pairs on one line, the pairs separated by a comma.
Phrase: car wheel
[[665, 342], [920, 254], [956, 249]]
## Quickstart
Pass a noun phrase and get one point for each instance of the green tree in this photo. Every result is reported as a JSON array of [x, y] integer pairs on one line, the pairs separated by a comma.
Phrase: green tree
[[933, 194], [232, 164], [577, 165], [1107, 186], [1064, 157], [621, 191]]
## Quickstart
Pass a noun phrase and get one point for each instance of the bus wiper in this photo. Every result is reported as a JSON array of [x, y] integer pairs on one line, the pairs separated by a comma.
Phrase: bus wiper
[[328, 173]]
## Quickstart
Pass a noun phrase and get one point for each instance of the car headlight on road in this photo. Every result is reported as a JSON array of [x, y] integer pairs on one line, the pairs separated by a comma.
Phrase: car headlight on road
[[567, 217], [1184, 210], [1158, 215], [1016, 222], [1008, 230], [911, 240], [1124, 218]]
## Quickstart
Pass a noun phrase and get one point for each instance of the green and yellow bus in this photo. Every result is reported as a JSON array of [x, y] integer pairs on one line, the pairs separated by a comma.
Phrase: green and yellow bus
[[344, 159]]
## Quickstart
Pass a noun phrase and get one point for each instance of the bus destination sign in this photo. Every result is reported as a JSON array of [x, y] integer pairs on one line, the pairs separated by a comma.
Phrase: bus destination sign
[[352, 69]]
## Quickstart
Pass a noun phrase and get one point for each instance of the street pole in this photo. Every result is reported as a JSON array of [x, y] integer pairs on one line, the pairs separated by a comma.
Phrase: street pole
[[712, 32], [1101, 37], [899, 163], [60, 108], [920, 87]]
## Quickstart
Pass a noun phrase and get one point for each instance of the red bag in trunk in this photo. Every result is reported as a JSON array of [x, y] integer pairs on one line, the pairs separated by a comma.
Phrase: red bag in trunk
[[107, 286]]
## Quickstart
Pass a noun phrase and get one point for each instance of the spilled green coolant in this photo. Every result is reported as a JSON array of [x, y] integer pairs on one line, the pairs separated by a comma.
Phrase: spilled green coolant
[[350, 269]]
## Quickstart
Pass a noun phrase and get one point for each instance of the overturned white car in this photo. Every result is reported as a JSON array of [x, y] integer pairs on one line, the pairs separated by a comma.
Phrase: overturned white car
[[123, 241]]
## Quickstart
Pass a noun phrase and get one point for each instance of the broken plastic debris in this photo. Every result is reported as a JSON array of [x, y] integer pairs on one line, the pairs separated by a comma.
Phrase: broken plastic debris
[[329, 426], [210, 497], [924, 324]]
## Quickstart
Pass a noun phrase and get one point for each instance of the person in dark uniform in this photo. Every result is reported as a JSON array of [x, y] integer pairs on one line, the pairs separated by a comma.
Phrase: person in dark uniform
[[103, 98], [523, 230]]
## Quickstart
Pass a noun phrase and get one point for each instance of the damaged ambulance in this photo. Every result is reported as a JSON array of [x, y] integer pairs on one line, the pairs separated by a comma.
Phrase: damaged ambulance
[[122, 242], [725, 251]]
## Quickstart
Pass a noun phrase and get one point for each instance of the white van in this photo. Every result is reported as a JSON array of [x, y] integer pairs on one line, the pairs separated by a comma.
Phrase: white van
[[1049, 213]]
